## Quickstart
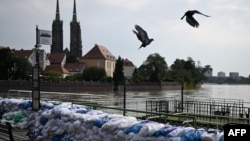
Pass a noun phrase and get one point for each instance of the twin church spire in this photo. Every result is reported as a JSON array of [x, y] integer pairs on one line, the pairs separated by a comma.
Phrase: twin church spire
[[75, 34], [57, 11], [74, 13]]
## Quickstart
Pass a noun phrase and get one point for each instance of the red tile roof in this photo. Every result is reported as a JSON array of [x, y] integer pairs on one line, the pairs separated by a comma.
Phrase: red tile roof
[[127, 62], [56, 68], [22, 53], [74, 67], [99, 52], [56, 58]]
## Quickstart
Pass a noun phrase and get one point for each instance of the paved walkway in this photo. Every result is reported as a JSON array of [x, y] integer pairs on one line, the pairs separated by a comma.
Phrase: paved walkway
[[18, 133]]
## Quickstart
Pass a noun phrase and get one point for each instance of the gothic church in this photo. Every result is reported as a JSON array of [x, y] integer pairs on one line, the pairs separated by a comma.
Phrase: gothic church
[[75, 34]]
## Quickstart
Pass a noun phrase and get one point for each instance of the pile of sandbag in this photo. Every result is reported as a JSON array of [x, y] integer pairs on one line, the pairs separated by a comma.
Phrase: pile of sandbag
[[58, 121]]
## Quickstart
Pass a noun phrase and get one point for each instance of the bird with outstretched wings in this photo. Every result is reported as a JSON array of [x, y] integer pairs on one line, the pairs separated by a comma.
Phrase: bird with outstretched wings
[[142, 36], [190, 19]]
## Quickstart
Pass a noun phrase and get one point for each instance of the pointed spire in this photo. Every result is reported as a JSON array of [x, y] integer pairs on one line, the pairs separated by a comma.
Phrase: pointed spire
[[57, 11], [74, 12]]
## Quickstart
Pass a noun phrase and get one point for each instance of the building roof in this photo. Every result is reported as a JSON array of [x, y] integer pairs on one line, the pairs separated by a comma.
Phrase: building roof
[[99, 52], [74, 67], [2, 47], [22, 53], [127, 62], [56, 68], [56, 58]]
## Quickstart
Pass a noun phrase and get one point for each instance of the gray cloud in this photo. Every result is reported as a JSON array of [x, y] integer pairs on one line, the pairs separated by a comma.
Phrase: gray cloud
[[220, 39]]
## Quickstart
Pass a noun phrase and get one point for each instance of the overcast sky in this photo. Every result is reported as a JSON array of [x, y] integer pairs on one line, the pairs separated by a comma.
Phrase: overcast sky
[[222, 40]]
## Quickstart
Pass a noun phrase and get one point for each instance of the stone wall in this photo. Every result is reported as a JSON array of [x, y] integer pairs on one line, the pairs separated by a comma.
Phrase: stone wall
[[83, 86]]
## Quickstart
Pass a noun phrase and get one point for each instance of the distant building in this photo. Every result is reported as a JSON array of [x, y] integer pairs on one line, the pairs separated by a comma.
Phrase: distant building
[[57, 62], [50, 62], [100, 57], [2, 47], [75, 68], [209, 73], [57, 59], [57, 33], [59, 69], [128, 68], [75, 36], [221, 74], [233, 74], [30, 55]]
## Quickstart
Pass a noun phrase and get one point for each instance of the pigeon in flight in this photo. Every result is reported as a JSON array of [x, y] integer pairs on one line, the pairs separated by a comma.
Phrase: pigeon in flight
[[142, 36], [190, 19]]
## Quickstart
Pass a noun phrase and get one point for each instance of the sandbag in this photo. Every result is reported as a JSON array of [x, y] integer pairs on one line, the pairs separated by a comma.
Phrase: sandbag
[[150, 128], [192, 135], [66, 122]]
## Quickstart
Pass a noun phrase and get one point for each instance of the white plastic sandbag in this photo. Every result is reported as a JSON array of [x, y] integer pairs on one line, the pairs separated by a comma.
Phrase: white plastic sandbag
[[149, 128], [119, 123]]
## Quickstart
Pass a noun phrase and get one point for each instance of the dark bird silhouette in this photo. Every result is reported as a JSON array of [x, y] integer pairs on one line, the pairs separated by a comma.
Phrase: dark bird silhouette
[[190, 19], [142, 36]]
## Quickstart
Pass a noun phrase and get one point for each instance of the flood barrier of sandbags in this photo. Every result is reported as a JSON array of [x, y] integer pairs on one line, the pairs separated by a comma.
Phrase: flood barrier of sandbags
[[62, 121]]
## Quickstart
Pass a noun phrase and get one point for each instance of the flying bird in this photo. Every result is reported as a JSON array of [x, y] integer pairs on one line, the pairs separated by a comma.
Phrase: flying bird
[[190, 19], [142, 36]]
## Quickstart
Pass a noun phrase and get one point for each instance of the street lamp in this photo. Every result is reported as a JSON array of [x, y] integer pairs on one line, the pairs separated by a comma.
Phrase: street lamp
[[124, 97], [182, 88], [181, 81], [36, 78], [8, 74]]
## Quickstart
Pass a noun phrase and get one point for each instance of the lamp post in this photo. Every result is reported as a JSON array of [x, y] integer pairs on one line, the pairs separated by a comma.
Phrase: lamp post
[[8, 74], [180, 79], [182, 88], [36, 77], [42, 37], [124, 97]]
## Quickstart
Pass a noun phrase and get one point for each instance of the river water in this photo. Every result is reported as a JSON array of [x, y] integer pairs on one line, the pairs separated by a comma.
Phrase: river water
[[224, 91], [207, 91]]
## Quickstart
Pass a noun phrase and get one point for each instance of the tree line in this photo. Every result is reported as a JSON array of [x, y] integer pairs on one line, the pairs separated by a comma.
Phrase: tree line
[[154, 69]]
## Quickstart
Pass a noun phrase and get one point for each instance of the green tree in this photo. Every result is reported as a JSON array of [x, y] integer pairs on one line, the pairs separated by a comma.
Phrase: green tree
[[154, 69], [118, 76], [74, 77], [21, 68], [185, 71], [93, 74], [13, 67], [137, 78], [204, 70], [53, 76], [6, 63]]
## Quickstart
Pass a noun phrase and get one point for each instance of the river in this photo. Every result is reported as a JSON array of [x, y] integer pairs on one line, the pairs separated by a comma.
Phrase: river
[[224, 91], [207, 91]]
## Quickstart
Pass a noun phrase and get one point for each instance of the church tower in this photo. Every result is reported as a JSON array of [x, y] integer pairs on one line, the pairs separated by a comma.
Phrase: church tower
[[57, 33], [75, 35]]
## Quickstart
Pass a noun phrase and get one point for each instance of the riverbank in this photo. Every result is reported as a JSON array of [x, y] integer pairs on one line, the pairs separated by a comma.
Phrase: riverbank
[[83, 86]]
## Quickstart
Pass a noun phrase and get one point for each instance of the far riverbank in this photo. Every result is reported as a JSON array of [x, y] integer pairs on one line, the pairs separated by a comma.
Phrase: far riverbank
[[84, 86]]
